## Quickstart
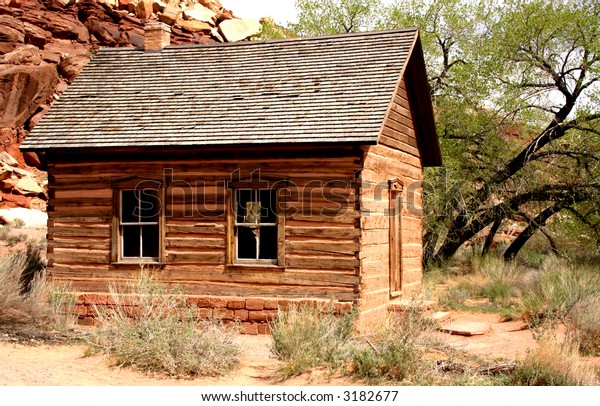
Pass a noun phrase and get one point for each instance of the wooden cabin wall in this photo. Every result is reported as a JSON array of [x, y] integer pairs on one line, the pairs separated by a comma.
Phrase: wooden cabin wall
[[396, 156], [321, 238]]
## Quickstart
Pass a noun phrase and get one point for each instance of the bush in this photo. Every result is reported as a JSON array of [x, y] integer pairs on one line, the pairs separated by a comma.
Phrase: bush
[[585, 323], [555, 362], [164, 336], [305, 337], [395, 351], [22, 289], [555, 290]]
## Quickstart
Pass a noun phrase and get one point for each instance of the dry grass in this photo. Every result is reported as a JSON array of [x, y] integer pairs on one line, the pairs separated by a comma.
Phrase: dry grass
[[23, 298], [164, 336], [306, 336], [555, 362]]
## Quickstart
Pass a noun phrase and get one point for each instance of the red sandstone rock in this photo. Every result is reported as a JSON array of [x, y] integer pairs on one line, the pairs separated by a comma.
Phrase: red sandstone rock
[[70, 67], [22, 90], [25, 55]]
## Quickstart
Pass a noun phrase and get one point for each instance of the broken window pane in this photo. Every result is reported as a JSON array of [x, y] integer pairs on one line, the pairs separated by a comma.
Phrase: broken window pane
[[131, 241], [150, 241], [246, 242], [268, 242]]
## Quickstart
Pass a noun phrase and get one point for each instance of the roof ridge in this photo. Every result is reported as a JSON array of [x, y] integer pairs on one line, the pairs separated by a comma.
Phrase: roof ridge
[[271, 41]]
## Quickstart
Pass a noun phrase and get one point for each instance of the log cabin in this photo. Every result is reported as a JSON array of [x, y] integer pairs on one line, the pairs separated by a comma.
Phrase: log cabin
[[251, 174]]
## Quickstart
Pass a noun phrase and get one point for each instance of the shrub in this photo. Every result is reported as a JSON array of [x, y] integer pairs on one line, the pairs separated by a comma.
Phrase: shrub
[[18, 223], [22, 290], [555, 362], [305, 336], [395, 351], [585, 322], [454, 298], [555, 290], [164, 336]]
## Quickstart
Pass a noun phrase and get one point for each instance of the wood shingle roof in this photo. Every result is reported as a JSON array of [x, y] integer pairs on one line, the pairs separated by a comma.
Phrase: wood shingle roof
[[303, 90]]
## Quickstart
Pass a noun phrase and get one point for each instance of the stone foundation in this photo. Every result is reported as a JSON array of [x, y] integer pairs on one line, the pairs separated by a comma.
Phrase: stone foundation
[[251, 314]]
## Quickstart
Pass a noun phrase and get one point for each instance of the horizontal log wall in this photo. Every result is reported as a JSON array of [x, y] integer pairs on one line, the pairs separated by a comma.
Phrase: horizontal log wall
[[396, 156], [321, 223]]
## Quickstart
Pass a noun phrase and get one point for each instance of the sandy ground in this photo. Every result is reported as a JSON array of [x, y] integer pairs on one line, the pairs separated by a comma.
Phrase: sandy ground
[[57, 365]]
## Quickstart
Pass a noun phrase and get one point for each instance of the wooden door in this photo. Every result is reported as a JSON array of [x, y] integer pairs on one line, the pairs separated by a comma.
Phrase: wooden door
[[395, 215]]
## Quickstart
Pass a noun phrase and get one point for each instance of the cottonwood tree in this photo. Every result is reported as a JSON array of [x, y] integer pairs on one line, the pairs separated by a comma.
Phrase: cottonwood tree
[[328, 17], [515, 89]]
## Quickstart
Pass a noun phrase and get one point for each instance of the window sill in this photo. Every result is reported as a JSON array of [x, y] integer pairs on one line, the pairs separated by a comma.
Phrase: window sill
[[253, 267], [139, 262]]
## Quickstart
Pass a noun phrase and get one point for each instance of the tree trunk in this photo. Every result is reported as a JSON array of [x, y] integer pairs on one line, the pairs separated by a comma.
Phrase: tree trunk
[[490, 237], [540, 221]]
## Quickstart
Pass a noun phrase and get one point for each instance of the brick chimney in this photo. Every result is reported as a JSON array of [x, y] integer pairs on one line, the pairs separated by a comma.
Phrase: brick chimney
[[157, 35]]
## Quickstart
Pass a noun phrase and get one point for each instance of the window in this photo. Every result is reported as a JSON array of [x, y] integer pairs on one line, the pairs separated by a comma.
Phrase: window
[[140, 211], [138, 224], [256, 225]]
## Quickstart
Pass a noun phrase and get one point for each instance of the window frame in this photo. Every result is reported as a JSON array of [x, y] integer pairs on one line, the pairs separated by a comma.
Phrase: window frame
[[232, 260], [117, 242]]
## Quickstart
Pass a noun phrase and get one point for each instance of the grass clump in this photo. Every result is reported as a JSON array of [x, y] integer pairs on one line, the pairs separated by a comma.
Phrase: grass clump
[[395, 351], [305, 336], [22, 296], [29, 306], [163, 337], [555, 362], [557, 287], [584, 321]]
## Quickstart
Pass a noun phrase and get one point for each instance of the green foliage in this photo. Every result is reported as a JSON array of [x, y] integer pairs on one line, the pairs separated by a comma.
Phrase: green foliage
[[306, 336], [556, 289], [18, 223], [164, 336], [328, 17], [271, 31]]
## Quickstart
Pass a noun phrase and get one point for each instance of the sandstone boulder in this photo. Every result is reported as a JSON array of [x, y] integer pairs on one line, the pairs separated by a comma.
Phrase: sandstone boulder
[[214, 5], [70, 66], [7, 159], [22, 90], [11, 30], [158, 6], [200, 13], [32, 159], [169, 15], [239, 29], [194, 26], [25, 55], [100, 32], [60, 25], [35, 35], [143, 9], [27, 186]]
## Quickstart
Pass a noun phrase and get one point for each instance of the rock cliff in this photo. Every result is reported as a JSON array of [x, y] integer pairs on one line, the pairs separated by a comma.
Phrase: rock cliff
[[44, 44]]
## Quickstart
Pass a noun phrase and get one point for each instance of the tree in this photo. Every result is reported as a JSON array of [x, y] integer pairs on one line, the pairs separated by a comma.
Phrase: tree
[[327, 17], [515, 89]]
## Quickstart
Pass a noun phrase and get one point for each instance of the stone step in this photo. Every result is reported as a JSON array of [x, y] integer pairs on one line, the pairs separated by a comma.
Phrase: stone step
[[401, 305], [466, 328], [440, 317]]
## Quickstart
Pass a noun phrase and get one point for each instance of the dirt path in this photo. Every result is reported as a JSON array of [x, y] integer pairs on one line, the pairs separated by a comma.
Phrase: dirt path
[[65, 365], [505, 340]]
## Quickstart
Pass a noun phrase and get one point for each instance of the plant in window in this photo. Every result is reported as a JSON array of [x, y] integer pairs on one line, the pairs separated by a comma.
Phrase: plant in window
[[256, 224]]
